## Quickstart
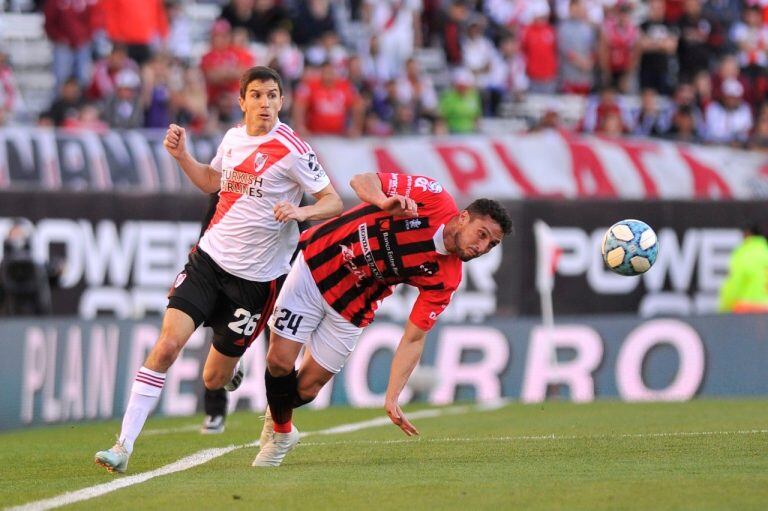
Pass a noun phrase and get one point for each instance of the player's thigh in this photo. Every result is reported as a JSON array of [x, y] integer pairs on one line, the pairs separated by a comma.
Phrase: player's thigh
[[197, 288], [333, 341], [299, 307], [241, 313]]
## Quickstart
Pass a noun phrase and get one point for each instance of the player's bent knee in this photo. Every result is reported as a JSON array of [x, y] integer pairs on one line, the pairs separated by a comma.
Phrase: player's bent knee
[[214, 380], [165, 351], [278, 365], [307, 393]]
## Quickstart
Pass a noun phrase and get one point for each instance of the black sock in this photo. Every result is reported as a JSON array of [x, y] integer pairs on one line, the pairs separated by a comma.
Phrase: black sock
[[215, 402], [281, 391]]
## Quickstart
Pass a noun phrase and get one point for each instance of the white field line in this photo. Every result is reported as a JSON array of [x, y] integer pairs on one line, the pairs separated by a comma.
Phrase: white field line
[[207, 455], [526, 438]]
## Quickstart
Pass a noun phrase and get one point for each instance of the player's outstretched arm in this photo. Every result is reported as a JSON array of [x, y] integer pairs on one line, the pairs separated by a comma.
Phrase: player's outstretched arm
[[404, 362], [202, 175], [368, 189], [328, 205]]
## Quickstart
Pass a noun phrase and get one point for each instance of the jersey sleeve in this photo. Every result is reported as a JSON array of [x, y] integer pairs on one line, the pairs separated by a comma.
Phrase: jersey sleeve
[[430, 195], [216, 162], [428, 306], [309, 173]]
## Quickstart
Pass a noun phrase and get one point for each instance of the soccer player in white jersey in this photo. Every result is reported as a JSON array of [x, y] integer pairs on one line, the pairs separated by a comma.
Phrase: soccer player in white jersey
[[232, 278]]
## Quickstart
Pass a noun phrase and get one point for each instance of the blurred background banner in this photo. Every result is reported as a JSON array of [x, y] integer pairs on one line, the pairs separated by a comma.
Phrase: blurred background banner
[[68, 370], [543, 164], [118, 254]]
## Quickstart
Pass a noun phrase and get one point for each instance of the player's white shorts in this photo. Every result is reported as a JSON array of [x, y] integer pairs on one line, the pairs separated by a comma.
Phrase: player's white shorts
[[302, 315]]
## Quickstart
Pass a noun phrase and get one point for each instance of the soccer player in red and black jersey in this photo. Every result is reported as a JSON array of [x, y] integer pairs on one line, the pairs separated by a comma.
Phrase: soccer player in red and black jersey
[[408, 230]]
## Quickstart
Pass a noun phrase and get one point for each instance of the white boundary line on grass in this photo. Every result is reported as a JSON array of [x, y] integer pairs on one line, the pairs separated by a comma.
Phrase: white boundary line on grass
[[207, 455], [543, 437]]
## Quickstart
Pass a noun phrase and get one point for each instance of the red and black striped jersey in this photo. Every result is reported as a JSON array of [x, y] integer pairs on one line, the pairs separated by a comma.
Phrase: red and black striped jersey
[[358, 258]]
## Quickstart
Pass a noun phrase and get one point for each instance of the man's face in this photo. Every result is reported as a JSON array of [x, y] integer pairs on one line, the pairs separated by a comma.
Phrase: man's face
[[476, 236], [261, 104]]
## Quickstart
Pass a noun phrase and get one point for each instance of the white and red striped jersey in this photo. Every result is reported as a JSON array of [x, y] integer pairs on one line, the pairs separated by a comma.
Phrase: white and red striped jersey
[[243, 236]]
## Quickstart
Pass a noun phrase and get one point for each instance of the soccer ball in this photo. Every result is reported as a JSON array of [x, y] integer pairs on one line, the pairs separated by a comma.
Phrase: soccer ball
[[630, 247]]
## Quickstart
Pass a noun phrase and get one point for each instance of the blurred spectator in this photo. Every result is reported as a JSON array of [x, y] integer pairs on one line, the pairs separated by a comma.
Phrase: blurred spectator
[[592, 8], [601, 105], [685, 97], [729, 121], [460, 105], [383, 105], [729, 70], [577, 46], [356, 74], [479, 55], [140, 24], [683, 126], [674, 10], [312, 18], [67, 105], [617, 49], [751, 38], [156, 91], [648, 119], [658, 46], [189, 100], [746, 287], [611, 124], [722, 14], [397, 26], [123, 109], [105, 70], [693, 51], [758, 139], [222, 67], [69, 26], [259, 17], [179, 32], [327, 105], [11, 104], [453, 29], [549, 120], [539, 45], [375, 64], [88, 119], [285, 57], [25, 284], [509, 69], [328, 47], [415, 90], [513, 14]]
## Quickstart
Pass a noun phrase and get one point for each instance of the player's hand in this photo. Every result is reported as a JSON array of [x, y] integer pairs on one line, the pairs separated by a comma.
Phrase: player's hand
[[397, 416], [175, 141], [399, 205], [285, 212]]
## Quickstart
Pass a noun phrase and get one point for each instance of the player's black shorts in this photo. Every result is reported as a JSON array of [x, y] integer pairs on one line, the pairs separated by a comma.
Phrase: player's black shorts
[[236, 309]]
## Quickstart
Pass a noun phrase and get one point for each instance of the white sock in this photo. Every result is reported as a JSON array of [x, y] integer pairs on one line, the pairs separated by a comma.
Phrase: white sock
[[144, 396]]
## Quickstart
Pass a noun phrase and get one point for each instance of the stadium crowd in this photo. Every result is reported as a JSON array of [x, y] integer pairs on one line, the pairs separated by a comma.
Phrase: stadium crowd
[[693, 70]]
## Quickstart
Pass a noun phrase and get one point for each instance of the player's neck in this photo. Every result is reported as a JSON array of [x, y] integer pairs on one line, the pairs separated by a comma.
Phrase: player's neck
[[258, 129], [449, 234]]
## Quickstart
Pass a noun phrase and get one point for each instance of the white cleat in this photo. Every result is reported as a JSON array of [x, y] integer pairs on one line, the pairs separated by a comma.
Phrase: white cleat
[[114, 459], [237, 378], [273, 453], [268, 431]]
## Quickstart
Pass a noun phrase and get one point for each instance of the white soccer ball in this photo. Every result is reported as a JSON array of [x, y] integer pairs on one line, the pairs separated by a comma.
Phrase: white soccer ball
[[630, 247]]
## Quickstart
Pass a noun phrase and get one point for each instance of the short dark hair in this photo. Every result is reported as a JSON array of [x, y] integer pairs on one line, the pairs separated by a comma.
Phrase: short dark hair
[[262, 74], [493, 209]]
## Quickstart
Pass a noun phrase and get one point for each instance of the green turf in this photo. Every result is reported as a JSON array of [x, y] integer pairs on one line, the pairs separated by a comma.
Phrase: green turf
[[604, 455]]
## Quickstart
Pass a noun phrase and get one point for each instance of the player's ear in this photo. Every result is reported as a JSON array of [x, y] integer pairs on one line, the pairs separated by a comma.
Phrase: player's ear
[[464, 217], [241, 101]]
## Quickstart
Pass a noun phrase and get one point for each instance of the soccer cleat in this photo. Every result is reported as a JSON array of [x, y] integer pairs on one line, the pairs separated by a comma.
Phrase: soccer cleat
[[212, 425], [273, 453], [268, 430], [237, 378], [115, 459]]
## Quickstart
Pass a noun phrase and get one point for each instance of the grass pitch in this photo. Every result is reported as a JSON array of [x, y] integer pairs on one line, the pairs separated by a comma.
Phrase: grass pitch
[[702, 455]]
